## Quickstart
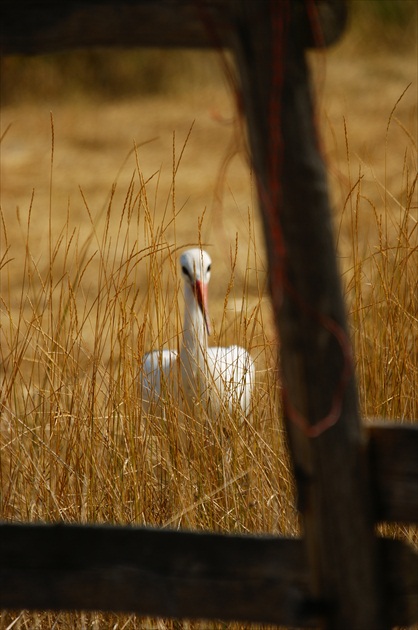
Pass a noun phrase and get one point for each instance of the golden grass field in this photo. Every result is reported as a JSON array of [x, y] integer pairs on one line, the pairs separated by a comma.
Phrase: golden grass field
[[97, 200]]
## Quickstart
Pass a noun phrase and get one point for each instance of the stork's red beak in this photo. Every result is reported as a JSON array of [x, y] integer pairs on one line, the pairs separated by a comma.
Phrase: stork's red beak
[[201, 292]]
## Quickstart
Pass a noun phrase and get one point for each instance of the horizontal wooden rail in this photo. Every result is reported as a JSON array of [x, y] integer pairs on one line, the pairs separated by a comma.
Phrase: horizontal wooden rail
[[178, 574], [393, 456], [28, 27], [151, 572], [35, 27]]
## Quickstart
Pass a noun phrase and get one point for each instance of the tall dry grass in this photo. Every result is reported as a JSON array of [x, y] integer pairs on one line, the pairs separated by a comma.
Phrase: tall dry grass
[[377, 236], [78, 314], [82, 298], [72, 341]]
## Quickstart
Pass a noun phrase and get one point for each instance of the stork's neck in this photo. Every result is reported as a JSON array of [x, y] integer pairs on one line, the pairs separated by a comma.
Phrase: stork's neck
[[195, 338]]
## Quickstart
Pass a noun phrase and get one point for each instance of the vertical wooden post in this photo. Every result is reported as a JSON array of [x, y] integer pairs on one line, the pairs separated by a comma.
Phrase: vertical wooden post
[[319, 390]]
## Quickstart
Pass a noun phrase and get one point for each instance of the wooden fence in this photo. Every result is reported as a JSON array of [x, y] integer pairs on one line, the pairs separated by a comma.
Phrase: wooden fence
[[349, 476]]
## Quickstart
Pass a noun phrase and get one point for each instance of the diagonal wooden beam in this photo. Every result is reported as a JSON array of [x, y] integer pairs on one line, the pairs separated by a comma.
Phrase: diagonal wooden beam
[[326, 438]]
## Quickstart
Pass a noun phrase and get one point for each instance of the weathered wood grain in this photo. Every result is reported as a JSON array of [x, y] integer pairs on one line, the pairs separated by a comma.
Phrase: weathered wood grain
[[151, 572], [393, 452], [28, 27], [179, 574], [40, 27], [326, 438]]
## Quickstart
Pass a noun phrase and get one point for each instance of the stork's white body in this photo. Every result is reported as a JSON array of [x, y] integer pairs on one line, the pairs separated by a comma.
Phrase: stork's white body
[[216, 378]]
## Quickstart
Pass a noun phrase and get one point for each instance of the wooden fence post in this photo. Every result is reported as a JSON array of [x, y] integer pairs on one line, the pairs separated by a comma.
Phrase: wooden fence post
[[319, 391]]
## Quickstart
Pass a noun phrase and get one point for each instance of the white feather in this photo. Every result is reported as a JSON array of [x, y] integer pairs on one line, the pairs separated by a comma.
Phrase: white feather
[[216, 377]]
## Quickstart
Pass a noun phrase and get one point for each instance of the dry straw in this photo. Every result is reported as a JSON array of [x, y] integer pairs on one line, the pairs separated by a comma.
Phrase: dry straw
[[77, 317]]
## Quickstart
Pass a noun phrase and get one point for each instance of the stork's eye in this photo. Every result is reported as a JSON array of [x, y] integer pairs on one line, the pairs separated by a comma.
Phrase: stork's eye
[[185, 271], [208, 269]]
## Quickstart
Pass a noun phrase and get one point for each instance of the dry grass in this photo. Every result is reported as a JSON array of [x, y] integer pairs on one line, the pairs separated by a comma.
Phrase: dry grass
[[89, 281]]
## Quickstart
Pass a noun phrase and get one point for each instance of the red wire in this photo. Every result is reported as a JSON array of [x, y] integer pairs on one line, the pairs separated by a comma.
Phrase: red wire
[[271, 202]]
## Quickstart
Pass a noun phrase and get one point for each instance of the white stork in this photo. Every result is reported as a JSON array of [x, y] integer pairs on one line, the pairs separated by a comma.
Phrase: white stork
[[216, 378]]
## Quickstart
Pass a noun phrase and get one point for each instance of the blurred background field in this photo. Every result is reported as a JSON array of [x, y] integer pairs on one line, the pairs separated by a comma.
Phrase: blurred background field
[[379, 28], [112, 162]]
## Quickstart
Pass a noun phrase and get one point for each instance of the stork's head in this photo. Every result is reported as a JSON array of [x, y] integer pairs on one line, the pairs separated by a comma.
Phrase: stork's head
[[195, 267]]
